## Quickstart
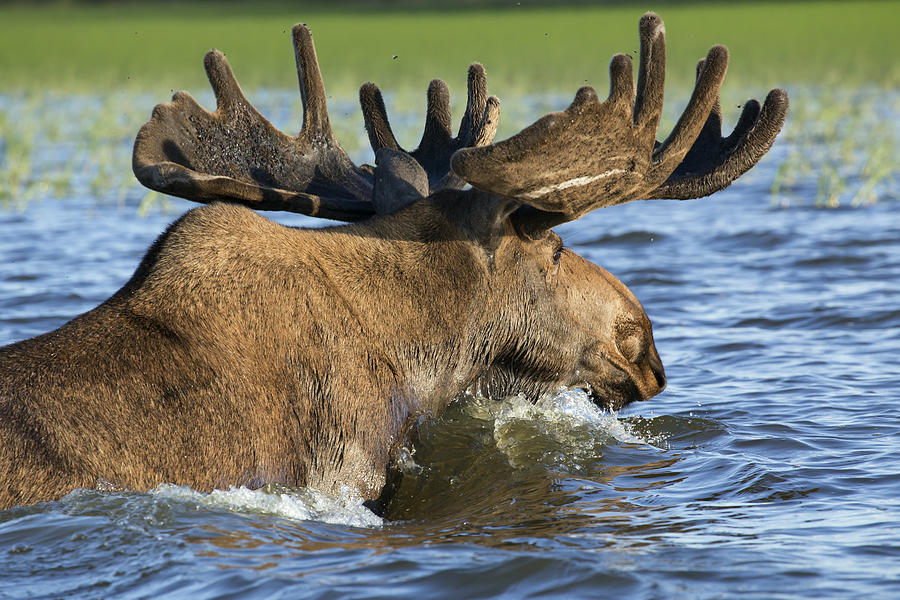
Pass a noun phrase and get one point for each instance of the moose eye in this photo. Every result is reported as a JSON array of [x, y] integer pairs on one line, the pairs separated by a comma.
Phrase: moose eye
[[557, 255]]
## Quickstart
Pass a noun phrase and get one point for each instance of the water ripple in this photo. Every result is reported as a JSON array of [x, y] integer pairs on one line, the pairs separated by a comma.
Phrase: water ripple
[[769, 468]]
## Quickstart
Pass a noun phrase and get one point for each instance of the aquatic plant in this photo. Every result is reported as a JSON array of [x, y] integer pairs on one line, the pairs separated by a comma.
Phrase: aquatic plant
[[839, 147]]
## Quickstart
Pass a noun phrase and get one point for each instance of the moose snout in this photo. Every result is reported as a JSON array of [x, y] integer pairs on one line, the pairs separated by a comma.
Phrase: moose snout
[[659, 373], [649, 376], [654, 375]]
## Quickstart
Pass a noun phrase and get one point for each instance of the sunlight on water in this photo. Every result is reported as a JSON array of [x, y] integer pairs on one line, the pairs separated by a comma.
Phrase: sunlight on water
[[303, 504]]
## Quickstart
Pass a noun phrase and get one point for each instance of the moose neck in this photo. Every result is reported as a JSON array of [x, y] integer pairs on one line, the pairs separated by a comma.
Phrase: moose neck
[[424, 284]]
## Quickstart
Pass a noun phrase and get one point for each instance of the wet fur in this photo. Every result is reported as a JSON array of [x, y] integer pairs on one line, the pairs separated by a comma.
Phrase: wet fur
[[243, 352]]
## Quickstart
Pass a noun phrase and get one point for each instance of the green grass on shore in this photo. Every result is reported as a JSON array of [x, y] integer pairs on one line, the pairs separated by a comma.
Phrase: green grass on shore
[[159, 47]]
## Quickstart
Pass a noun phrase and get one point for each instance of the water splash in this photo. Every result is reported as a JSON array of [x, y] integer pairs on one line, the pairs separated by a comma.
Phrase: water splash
[[568, 409], [300, 504], [564, 430]]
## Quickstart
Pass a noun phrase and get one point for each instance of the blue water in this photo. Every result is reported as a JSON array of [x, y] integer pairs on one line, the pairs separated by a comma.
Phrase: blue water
[[769, 468]]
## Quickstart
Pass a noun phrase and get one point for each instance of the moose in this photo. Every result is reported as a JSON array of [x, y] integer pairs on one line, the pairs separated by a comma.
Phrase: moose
[[243, 352]]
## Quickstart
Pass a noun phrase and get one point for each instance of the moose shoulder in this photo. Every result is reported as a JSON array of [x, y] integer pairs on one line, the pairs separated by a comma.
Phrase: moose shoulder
[[243, 352]]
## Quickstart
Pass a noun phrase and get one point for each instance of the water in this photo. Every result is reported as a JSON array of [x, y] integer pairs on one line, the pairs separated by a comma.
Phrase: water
[[769, 468]]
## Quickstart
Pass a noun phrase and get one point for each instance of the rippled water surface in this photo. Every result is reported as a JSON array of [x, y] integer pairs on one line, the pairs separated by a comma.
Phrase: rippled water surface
[[769, 468]]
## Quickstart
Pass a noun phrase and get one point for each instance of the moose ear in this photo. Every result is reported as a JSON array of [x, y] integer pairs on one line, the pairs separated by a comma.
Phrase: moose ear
[[399, 180]]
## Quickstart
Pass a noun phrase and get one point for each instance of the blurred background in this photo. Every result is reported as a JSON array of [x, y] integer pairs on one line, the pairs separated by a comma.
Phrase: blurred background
[[77, 79]]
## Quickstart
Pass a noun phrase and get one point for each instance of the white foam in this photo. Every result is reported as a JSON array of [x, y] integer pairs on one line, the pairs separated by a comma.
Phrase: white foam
[[564, 429], [303, 504], [565, 410]]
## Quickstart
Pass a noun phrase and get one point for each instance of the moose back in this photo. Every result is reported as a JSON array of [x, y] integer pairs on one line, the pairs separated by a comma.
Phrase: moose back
[[242, 352]]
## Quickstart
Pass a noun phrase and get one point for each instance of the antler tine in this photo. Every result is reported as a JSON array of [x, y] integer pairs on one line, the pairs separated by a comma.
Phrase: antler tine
[[651, 73], [700, 109], [748, 118], [596, 154], [621, 82], [235, 154], [476, 101], [482, 117], [436, 145], [713, 162], [378, 127], [312, 88], [437, 132], [712, 129], [477, 127], [221, 78]]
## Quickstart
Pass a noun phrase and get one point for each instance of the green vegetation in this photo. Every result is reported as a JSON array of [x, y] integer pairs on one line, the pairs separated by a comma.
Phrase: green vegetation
[[159, 46], [77, 81], [842, 144]]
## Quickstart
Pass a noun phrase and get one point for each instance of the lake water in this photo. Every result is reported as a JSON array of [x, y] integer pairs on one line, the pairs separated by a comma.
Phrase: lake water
[[769, 468]]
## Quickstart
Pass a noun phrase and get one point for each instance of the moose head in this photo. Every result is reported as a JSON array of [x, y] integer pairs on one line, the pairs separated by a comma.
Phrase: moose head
[[243, 352]]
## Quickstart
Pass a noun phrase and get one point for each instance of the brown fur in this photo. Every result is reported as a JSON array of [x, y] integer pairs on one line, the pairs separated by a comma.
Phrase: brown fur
[[243, 352]]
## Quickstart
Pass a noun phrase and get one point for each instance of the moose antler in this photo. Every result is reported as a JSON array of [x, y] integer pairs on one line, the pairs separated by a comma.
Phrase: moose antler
[[564, 165], [235, 154], [477, 128], [596, 154]]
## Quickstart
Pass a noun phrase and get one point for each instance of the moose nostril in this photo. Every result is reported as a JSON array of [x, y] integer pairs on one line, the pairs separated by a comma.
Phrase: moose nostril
[[660, 378]]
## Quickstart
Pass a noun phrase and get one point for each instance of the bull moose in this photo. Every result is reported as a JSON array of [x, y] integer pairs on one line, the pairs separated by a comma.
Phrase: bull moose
[[243, 352]]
